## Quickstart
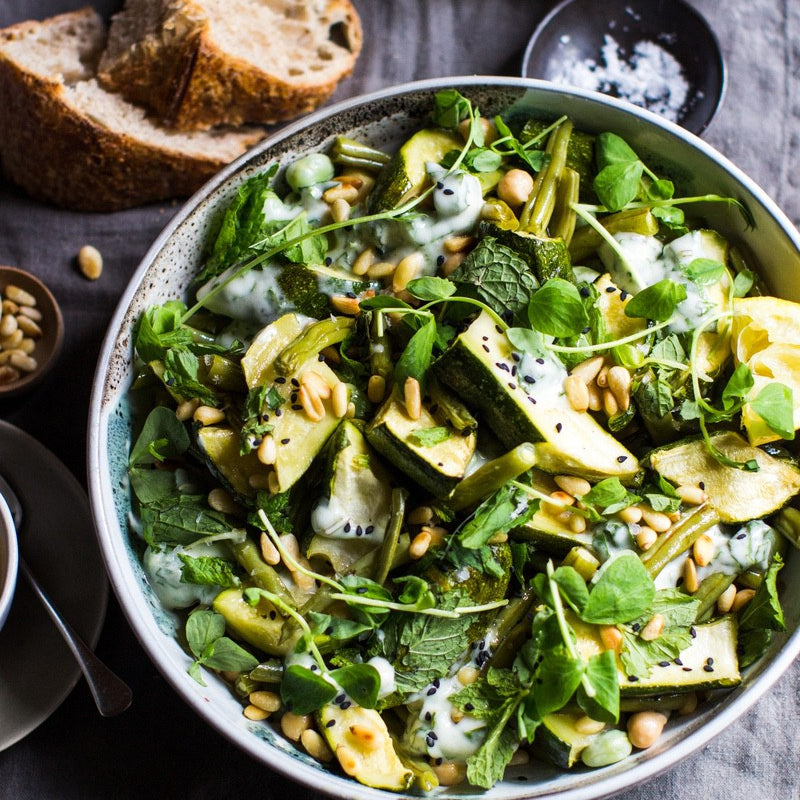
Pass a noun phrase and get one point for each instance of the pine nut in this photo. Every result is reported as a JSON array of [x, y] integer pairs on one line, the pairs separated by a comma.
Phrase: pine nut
[[611, 637], [221, 501], [8, 325], [19, 296], [452, 263], [602, 377], [341, 191], [351, 410], [267, 701], [573, 485], [610, 405], [8, 374], [376, 388], [457, 244], [587, 370], [653, 629], [364, 261], [408, 269], [10, 307], [646, 538], [631, 515], [497, 538], [381, 269], [450, 773], [30, 312], [690, 581], [689, 705], [658, 521], [291, 546], [362, 181], [595, 397], [345, 305], [703, 550], [556, 504], [577, 524], [438, 533], [515, 187], [27, 346], [293, 725], [273, 484], [725, 600], [90, 262], [312, 403], [316, 383], [255, 713], [267, 451], [339, 399], [13, 341], [468, 675], [269, 552], [645, 727], [619, 382], [419, 545], [23, 362], [743, 597], [186, 409], [315, 745], [577, 393], [588, 726], [691, 495], [208, 415], [421, 515], [340, 210], [347, 759], [413, 398]]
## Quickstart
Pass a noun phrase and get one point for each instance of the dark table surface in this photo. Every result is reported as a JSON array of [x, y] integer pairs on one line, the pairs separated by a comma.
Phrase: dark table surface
[[159, 748]]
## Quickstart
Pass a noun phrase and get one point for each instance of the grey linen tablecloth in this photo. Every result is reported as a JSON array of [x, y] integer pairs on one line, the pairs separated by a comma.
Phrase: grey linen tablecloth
[[160, 748]]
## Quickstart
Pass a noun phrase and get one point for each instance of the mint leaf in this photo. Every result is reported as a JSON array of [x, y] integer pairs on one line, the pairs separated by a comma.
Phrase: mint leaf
[[486, 767], [557, 309], [507, 508], [208, 571], [657, 302], [775, 405], [160, 328], [181, 519], [704, 271], [429, 437], [623, 590]]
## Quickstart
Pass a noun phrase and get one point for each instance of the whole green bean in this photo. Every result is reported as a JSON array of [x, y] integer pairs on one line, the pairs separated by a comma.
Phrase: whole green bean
[[709, 592], [679, 539], [311, 341], [351, 153], [392, 535], [248, 554], [562, 222]]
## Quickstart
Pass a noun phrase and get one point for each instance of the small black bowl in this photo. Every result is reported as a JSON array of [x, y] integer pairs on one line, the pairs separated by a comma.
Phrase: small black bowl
[[575, 30]]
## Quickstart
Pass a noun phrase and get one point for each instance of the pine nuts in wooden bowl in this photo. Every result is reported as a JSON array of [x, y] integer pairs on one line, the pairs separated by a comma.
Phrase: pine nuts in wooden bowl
[[31, 330]]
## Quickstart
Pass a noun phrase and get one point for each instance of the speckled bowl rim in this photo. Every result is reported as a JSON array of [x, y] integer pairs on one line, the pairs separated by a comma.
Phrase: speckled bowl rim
[[110, 384]]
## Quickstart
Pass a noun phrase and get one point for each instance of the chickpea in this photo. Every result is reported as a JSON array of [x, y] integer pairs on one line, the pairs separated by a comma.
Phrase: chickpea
[[645, 727], [515, 187]]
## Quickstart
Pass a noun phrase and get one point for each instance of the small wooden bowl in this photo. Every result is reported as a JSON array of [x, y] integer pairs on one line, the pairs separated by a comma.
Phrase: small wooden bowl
[[48, 345]]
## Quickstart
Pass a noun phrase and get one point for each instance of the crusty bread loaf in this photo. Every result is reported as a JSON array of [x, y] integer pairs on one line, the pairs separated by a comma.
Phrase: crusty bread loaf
[[68, 141], [201, 63]]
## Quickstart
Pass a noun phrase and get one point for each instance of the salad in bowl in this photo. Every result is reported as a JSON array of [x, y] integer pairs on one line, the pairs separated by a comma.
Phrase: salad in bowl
[[469, 453]]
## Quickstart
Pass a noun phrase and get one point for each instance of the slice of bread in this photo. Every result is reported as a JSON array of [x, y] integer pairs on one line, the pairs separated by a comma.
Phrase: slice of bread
[[68, 141], [201, 63]]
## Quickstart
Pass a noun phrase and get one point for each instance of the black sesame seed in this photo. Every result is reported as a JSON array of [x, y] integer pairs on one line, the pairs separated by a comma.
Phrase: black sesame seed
[[611, 289], [439, 762], [448, 192], [686, 669], [708, 668], [516, 356], [529, 379], [469, 707], [329, 630], [285, 441], [320, 357], [584, 291], [498, 328], [540, 360], [347, 527], [330, 723], [741, 535], [512, 386], [586, 329], [440, 463], [369, 529], [702, 485], [170, 381], [633, 678], [359, 530], [559, 426], [485, 347], [432, 735], [431, 692], [692, 632], [663, 663], [328, 261], [295, 383], [351, 295], [635, 627], [439, 185], [344, 706], [297, 407], [678, 662], [501, 365], [622, 458], [709, 661], [532, 399], [293, 397], [340, 698], [361, 590], [428, 716], [485, 338], [440, 260], [273, 614], [278, 412], [313, 667], [623, 295], [513, 370]]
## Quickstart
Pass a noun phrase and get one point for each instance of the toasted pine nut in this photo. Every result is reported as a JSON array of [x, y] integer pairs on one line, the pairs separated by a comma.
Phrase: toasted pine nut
[[653, 629], [467, 675], [23, 362], [419, 545], [311, 402], [364, 261], [703, 550], [12, 341], [690, 580], [345, 305], [19, 295], [577, 523], [515, 187], [644, 728], [8, 325], [557, 503], [646, 538], [658, 521], [351, 410], [577, 393], [316, 383], [689, 704], [619, 382], [293, 725], [267, 450], [611, 637], [267, 701], [450, 773], [438, 533], [573, 485], [208, 415], [610, 405], [342, 191], [691, 495], [10, 307], [420, 515], [595, 397], [630, 515], [27, 345], [255, 713], [221, 501], [376, 388], [315, 745], [90, 262], [743, 597], [602, 377], [458, 243], [362, 181], [269, 552], [340, 210], [413, 398], [381, 269], [452, 263], [30, 312], [587, 726], [186, 409], [273, 483], [587, 370], [339, 399], [408, 269], [725, 600], [8, 374]]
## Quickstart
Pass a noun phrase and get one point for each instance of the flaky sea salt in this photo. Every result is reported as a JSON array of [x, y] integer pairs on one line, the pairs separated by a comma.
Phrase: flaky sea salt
[[650, 78]]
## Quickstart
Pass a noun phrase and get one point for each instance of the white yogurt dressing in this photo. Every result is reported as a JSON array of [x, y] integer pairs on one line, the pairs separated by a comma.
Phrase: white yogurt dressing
[[251, 298], [163, 568], [331, 518], [542, 377]]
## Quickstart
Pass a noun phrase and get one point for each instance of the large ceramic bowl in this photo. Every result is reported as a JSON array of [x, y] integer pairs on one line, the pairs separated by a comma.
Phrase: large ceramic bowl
[[385, 118], [9, 560]]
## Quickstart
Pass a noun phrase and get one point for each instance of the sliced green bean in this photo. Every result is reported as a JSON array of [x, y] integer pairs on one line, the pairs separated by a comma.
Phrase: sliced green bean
[[248, 554], [351, 153], [380, 347], [453, 410], [268, 672], [562, 223], [311, 341], [709, 591], [392, 535], [787, 521], [494, 474], [582, 561], [679, 539], [586, 240]]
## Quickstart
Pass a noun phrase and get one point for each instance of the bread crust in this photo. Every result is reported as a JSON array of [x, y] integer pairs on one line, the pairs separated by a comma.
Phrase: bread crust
[[190, 83], [62, 156]]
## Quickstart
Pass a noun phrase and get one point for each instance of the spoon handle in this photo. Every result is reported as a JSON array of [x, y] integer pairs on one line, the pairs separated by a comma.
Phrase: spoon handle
[[110, 693]]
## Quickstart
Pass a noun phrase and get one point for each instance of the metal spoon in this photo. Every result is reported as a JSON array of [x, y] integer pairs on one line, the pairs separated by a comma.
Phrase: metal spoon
[[110, 693]]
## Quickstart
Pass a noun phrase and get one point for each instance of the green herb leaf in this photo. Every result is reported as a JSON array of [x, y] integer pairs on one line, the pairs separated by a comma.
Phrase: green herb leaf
[[382, 302], [704, 271], [360, 681], [618, 184], [558, 676], [657, 302], [764, 610], [416, 592], [556, 309], [775, 405], [572, 588], [226, 655], [528, 342], [743, 283], [340, 629], [450, 107], [507, 508], [203, 628], [208, 571], [162, 437], [181, 519], [623, 590], [431, 289], [416, 358], [429, 437], [601, 673], [304, 691], [736, 390]]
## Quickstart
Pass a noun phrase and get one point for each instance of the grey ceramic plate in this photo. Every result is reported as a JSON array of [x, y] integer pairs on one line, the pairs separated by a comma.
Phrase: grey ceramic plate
[[385, 119]]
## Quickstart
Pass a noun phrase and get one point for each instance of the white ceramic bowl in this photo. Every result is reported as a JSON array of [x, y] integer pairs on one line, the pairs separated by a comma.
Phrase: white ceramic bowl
[[9, 560], [385, 119]]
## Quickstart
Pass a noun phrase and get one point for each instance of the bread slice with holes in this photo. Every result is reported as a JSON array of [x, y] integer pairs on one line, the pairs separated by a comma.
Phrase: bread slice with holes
[[66, 140], [200, 63]]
